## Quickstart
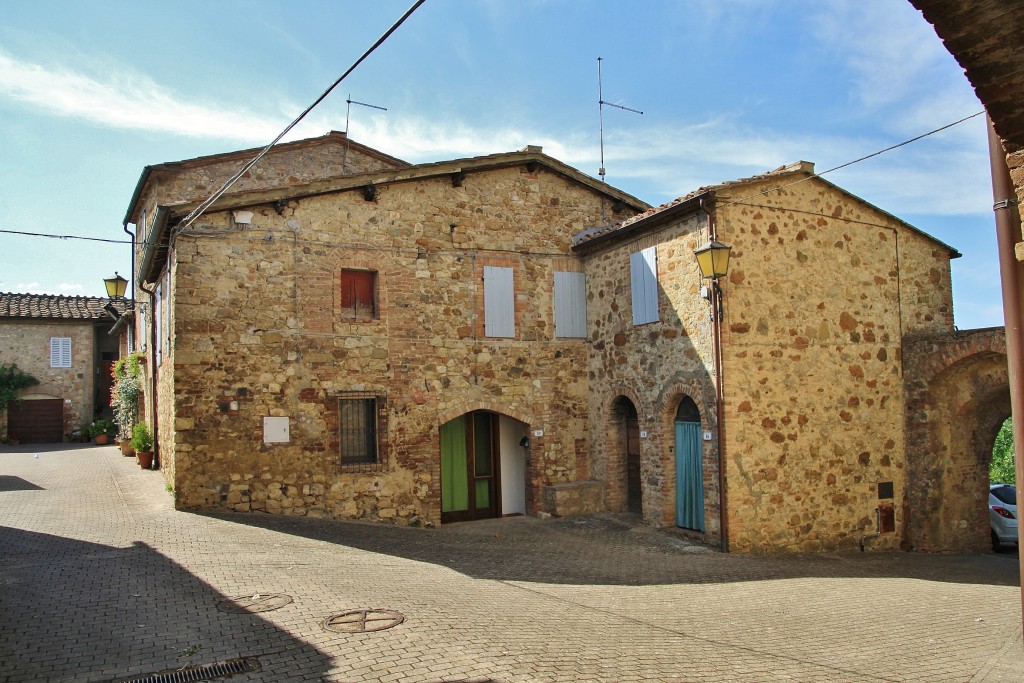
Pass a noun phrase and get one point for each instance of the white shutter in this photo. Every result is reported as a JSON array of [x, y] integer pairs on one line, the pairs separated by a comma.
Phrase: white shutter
[[570, 304], [499, 303], [60, 352], [643, 279]]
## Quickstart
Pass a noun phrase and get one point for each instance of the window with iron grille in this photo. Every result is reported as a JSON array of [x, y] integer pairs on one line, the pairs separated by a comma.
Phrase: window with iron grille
[[359, 294], [362, 430]]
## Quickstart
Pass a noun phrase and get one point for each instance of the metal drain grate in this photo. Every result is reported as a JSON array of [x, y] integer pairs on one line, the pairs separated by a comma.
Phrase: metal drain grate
[[254, 603], [204, 672], [363, 621]]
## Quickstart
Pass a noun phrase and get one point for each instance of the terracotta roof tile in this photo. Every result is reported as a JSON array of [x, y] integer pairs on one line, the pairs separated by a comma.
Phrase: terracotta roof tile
[[53, 306]]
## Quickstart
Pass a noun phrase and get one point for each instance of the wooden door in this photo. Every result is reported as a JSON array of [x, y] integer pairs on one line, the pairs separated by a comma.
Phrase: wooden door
[[470, 471]]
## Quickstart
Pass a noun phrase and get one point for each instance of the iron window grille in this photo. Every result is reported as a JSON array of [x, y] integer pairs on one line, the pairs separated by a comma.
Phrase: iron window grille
[[362, 431]]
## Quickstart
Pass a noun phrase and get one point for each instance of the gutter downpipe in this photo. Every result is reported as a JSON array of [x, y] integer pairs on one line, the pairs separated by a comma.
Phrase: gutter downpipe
[[1011, 272], [716, 330]]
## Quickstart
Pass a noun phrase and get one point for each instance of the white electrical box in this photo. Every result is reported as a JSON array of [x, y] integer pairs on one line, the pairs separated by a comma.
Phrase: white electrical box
[[276, 430], [707, 436]]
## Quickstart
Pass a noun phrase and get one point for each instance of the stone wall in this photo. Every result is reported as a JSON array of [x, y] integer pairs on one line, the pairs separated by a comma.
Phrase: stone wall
[[821, 289], [27, 343], [654, 365], [258, 332]]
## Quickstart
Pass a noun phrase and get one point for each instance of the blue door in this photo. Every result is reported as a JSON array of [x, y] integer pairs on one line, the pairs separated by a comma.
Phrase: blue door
[[689, 471]]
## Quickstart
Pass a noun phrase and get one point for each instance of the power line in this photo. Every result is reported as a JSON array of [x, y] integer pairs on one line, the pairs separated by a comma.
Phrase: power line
[[738, 200], [198, 211], [64, 237], [855, 161]]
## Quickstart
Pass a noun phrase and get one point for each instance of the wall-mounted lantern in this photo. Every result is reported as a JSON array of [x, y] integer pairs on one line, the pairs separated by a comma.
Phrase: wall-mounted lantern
[[713, 261], [116, 286]]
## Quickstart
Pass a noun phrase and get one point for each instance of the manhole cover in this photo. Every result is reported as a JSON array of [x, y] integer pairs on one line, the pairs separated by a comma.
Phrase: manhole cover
[[258, 602], [363, 621]]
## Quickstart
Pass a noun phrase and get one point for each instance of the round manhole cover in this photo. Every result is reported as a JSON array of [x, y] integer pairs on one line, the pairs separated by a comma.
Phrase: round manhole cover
[[363, 621], [258, 602]]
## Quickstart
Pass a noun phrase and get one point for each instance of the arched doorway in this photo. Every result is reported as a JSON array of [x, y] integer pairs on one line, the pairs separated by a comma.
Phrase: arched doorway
[[483, 467], [689, 466], [958, 396], [627, 427]]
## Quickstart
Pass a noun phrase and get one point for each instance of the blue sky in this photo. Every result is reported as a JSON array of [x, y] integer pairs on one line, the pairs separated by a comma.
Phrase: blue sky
[[91, 92]]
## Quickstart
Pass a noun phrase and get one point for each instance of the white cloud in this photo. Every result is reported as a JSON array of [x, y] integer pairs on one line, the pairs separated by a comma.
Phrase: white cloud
[[70, 289], [28, 288], [128, 101]]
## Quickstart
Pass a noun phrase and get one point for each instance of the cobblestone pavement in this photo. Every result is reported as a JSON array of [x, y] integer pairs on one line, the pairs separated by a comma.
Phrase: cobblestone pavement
[[100, 579]]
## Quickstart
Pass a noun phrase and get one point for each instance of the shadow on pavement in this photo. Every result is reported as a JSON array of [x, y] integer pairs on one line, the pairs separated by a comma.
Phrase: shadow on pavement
[[609, 549], [70, 608]]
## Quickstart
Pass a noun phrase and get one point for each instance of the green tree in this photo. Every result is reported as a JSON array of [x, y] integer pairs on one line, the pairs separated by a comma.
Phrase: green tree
[[12, 380], [1001, 470]]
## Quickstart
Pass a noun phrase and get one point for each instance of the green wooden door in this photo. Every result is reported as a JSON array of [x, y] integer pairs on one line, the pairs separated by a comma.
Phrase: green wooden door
[[469, 467]]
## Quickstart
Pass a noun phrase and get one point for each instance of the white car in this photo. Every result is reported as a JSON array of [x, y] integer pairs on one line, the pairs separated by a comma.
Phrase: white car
[[1002, 513]]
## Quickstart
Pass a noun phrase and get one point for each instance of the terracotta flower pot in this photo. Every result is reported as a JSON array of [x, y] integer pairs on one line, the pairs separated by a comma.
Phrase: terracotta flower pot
[[126, 448], [102, 439], [145, 459]]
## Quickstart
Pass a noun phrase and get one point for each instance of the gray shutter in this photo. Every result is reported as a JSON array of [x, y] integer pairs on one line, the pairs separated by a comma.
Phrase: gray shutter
[[570, 304], [60, 352], [157, 305], [499, 303], [643, 279]]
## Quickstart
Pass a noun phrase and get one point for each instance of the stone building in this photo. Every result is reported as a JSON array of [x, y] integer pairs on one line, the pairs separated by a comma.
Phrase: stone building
[[368, 339], [779, 422], [63, 342]]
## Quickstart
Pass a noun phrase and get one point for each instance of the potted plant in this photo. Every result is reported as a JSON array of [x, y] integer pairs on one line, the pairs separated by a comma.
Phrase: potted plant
[[102, 431], [142, 442]]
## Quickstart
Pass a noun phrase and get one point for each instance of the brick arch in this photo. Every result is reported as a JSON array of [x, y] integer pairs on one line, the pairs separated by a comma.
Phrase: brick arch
[[468, 406], [957, 396], [613, 440], [671, 396]]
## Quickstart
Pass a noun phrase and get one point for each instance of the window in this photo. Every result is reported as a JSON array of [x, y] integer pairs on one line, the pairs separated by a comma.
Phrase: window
[[359, 294], [643, 279], [570, 304], [499, 303], [60, 352], [362, 427]]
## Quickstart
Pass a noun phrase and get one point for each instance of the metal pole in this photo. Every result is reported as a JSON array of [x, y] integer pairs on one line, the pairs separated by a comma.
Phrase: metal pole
[[1011, 271]]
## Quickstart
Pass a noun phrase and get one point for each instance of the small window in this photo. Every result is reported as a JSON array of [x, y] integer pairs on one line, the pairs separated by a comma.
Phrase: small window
[[60, 352], [643, 279], [362, 423], [359, 294], [1007, 495]]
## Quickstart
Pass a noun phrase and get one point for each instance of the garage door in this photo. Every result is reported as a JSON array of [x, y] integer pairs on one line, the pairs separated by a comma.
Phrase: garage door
[[39, 421]]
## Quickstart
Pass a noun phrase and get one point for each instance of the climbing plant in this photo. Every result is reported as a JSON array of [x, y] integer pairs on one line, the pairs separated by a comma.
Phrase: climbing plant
[[124, 394], [12, 380], [1001, 469]]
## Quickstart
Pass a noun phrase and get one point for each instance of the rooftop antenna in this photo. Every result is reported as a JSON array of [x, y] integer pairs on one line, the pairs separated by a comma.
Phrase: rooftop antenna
[[600, 114], [348, 111]]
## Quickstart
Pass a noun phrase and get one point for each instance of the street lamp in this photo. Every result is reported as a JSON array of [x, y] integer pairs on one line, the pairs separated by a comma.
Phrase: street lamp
[[713, 261], [116, 286]]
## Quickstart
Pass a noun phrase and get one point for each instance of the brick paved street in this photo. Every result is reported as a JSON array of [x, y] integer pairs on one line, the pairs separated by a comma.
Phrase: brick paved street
[[100, 579]]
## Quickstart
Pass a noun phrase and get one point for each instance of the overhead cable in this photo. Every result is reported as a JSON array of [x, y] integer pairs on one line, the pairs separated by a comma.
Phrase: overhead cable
[[851, 163], [198, 211]]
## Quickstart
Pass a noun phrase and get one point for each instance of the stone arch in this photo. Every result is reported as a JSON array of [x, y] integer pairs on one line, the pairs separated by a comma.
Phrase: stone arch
[[613, 430], [957, 397], [468, 406]]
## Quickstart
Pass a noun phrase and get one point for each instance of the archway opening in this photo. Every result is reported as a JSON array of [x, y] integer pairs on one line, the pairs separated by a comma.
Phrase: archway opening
[[1002, 498], [624, 469], [483, 467]]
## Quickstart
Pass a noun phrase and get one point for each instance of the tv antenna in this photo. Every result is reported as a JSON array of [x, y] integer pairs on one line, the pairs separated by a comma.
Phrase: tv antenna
[[600, 114], [348, 111]]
